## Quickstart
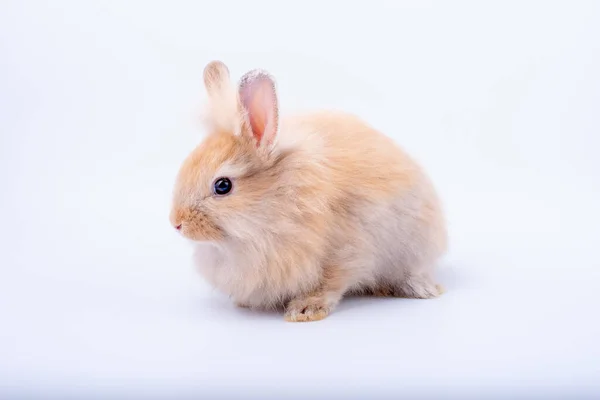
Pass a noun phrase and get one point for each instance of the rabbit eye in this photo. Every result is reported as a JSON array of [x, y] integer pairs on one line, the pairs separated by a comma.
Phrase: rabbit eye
[[222, 186]]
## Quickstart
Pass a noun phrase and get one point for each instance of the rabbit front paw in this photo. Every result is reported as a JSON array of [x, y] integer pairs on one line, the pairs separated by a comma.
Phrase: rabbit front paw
[[305, 309]]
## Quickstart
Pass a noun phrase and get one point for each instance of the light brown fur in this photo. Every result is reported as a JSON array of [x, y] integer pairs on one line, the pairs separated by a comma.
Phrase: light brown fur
[[322, 205]]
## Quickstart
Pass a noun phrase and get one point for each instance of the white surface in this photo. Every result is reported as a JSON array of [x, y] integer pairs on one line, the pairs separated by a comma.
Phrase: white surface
[[99, 105]]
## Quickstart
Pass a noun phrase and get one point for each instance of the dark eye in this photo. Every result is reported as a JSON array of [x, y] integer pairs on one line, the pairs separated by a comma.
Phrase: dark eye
[[223, 186]]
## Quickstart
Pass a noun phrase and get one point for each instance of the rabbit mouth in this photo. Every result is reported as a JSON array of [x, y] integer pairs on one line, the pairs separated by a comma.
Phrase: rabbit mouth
[[201, 231]]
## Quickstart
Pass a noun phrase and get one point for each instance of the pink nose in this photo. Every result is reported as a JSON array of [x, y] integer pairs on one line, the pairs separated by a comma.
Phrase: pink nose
[[178, 227]]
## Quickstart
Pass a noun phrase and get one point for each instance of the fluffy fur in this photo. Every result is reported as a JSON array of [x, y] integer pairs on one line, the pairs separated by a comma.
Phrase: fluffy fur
[[322, 205]]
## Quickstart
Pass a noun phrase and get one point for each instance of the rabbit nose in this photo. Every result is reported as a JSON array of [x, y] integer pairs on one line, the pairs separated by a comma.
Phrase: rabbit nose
[[178, 227]]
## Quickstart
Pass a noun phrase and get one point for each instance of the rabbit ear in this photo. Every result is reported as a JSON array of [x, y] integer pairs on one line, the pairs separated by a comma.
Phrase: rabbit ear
[[216, 77], [258, 98]]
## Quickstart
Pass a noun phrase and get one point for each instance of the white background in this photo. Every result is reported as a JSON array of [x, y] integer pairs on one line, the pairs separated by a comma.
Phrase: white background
[[99, 104]]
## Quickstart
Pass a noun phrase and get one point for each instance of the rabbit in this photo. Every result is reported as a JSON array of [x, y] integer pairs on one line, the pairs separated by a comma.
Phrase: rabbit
[[293, 213]]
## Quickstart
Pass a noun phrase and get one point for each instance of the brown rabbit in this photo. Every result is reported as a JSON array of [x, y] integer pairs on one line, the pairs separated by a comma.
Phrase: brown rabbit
[[298, 211]]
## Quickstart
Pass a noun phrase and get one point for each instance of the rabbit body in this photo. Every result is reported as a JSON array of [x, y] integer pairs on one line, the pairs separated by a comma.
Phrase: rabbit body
[[326, 206]]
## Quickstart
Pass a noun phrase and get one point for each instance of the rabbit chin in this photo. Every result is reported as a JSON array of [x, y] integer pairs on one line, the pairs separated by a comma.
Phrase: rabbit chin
[[201, 242]]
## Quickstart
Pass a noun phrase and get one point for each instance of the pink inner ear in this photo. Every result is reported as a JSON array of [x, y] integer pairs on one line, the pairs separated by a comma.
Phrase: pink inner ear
[[260, 101]]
